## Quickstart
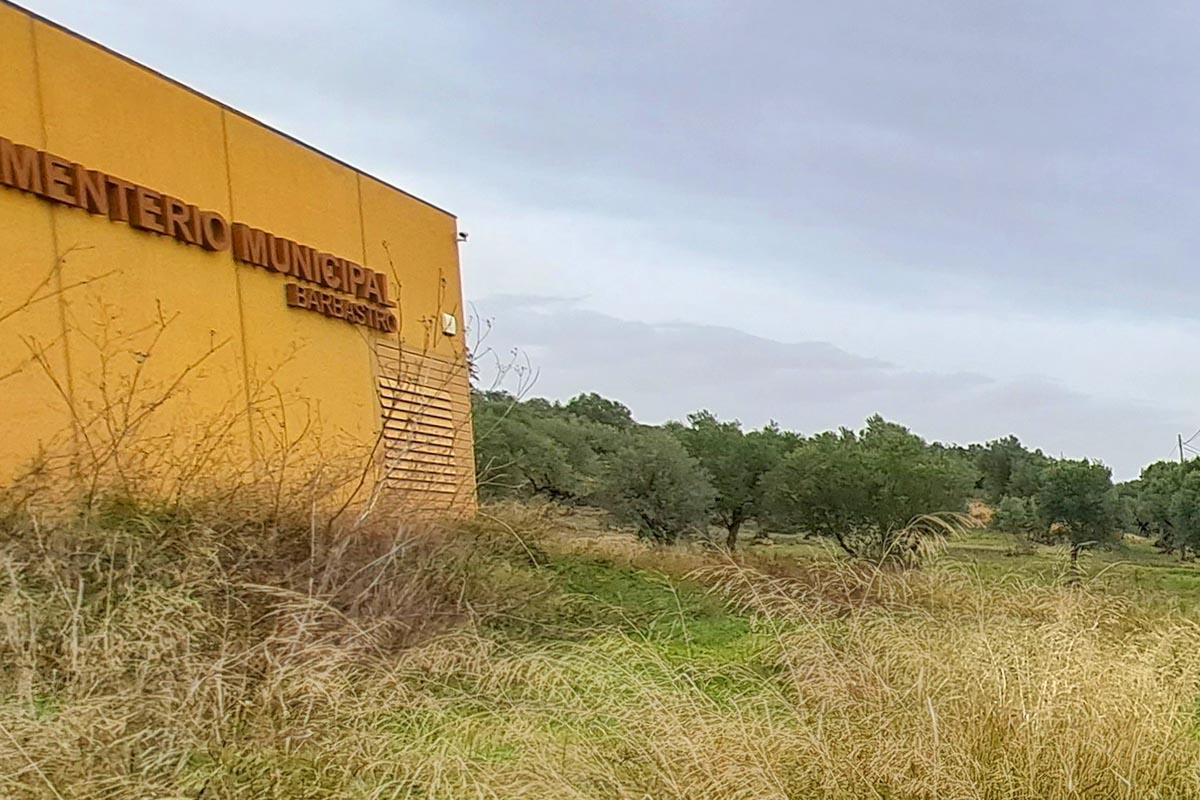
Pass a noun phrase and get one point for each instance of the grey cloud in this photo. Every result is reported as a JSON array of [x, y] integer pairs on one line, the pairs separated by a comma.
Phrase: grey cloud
[[666, 370], [576, 342], [1039, 151]]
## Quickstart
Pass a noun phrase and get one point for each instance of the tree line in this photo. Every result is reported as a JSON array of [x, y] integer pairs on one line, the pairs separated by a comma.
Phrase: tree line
[[870, 491]]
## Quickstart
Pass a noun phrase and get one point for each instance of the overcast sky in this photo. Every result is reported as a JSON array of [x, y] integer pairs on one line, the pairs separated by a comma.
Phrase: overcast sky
[[975, 218]]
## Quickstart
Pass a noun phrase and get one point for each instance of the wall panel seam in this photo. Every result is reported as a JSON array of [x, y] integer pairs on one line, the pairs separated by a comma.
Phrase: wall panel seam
[[59, 286], [237, 282], [373, 363]]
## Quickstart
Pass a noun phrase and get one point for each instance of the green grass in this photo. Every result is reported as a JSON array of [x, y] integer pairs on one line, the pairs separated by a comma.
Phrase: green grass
[[598, 604], [645, 604], [1133, 566]]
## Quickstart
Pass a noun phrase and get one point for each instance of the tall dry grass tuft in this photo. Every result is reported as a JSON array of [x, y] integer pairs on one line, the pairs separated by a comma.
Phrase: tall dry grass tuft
[[137, 643], [935, 684]]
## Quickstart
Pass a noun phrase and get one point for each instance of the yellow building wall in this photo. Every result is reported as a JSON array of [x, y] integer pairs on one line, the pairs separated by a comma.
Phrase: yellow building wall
[[190, 344], [27, 257], [321, 366]]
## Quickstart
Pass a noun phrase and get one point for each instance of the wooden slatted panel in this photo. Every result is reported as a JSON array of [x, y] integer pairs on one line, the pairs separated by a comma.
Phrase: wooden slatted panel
[[425, 404]]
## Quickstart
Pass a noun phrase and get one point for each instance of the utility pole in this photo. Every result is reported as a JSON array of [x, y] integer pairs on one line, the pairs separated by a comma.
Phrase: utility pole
[[1180, 448]]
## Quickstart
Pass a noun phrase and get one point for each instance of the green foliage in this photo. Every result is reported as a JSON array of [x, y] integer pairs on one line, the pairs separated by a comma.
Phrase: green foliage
[[1078, 498], [1008, 469], [912, 478], [1127, 505], [653, 483], [821, 487], [735, 462], [1154, 498], [864, 490], [590, 451], [1017, 515], [537, 448], [600, 410], [781, 441], [1163, 502], [1184, 510]]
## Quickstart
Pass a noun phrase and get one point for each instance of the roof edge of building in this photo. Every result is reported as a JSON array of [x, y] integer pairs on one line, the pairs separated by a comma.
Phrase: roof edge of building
[[192, 90]]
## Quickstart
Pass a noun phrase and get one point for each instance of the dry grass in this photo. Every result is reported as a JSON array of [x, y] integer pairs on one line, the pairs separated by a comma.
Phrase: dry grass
[[952, 688], [173, 656], [137, 644]]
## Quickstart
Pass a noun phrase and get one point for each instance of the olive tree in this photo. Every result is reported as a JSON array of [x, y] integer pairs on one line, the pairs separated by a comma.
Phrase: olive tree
[[1008, 469], [532, 448], [1155, 510], [1185, 512], [822, 488], [653, 483], [735, 462], [1017, 515], [1077, 498], [600, 410], [866, 490]]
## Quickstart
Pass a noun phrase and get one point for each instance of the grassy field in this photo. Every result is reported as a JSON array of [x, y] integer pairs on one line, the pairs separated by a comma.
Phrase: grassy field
[[1132, 567], [535, 656]]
